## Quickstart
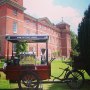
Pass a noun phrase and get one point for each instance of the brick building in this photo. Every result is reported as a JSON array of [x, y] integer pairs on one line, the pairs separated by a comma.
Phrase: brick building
[[14, 21]]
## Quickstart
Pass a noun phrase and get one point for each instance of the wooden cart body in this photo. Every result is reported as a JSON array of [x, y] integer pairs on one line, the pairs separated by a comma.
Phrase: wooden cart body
[[13, 73]]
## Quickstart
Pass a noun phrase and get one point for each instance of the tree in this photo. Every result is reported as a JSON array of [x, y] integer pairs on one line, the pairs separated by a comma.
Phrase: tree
[[74, 40], [74, 43], [20, 47], [84, 35]]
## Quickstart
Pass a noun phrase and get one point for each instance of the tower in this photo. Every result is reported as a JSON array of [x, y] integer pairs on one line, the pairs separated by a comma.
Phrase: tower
[[65, 38]]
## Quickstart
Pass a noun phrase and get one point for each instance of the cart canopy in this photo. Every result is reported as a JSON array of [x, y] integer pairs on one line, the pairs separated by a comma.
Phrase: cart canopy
[[27, 38]]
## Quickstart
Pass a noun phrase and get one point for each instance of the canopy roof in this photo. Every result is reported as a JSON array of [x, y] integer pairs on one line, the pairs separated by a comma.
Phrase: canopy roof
[[27, 38]]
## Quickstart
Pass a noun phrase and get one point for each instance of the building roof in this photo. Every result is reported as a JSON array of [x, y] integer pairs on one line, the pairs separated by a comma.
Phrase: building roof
[[63, 23], [44, 21], [30, 17], [14, 4]]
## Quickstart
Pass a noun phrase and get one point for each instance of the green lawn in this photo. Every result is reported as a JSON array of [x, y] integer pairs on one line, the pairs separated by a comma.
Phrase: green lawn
[[4, 84]]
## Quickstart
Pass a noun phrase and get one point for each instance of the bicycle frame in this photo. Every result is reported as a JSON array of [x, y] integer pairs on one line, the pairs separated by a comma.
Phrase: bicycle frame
[[66, 70]]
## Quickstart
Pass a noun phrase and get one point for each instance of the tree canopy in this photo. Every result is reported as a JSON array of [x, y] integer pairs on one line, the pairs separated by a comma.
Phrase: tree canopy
[[74, 43], [84, 35], [74, 40], [20, 47]]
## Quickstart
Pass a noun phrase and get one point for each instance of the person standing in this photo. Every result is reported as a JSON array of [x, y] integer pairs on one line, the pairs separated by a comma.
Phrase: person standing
[[43, 57]]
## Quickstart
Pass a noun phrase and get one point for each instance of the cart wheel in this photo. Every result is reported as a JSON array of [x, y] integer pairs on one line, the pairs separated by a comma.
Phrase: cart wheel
[[29, 81], [75, 79]]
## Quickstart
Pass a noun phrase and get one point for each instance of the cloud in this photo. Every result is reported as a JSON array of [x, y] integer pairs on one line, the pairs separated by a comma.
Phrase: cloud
[[47, 8]]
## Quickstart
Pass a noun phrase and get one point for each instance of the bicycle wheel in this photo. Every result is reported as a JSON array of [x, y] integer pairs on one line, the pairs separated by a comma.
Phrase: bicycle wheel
[[29, 81], [75, 79]]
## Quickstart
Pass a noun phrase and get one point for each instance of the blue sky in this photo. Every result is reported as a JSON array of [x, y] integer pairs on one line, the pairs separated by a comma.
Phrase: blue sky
[[80, 5], [71, 10]]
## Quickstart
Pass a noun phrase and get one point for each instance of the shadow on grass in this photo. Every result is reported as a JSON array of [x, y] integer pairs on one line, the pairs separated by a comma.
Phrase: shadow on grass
[[86, 85], [16, 89], [19, 89], [60, 86], [63, 86]]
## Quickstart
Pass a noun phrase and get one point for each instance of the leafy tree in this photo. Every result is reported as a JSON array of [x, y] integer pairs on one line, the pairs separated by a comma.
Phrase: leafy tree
[[74, 43], [84, 35], [20, 47], [74, 40], [56, 53]]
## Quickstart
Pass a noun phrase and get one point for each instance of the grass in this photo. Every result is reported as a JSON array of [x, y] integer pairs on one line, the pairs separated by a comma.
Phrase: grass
[[4, 84], [1, 64]]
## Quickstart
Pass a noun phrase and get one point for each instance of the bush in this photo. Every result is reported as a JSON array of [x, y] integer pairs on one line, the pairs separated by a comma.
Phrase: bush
[[1, 56], [56, 54]]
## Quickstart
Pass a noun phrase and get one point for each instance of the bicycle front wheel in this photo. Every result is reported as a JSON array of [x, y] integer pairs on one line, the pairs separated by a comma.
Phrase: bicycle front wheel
[[75, 79]]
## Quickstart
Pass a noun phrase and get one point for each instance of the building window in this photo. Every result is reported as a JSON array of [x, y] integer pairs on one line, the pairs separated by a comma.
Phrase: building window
[[44, 28], [27, 31], [14, 27], [15, 0], [27, 21], [33, 24], [49, 39], [15, 12]]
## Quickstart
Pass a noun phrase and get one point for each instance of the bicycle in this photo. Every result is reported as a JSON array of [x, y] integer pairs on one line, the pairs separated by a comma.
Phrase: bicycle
[[74, 78]]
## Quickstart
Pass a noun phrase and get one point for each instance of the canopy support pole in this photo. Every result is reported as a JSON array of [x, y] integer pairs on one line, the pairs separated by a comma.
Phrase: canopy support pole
[[8, 50], [47, 52]]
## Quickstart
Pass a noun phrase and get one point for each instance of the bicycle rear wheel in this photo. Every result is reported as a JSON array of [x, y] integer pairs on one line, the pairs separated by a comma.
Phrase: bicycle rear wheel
[[75, 79]]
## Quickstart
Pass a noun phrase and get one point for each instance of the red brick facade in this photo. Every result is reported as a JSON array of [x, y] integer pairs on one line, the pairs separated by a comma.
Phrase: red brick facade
[[13, 20]]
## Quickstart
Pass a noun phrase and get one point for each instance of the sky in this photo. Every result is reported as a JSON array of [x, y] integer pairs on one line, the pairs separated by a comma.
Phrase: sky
[[72, 11]]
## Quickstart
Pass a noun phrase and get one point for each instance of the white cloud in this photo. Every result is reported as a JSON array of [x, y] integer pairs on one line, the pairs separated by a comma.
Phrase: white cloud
[[46, 8]]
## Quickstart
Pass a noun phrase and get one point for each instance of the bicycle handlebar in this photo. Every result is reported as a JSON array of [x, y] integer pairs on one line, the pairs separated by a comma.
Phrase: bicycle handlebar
[[52, 59]]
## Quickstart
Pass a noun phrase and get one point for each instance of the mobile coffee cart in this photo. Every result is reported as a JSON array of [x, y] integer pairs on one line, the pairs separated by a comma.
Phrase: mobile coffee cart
[[31, 75]]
